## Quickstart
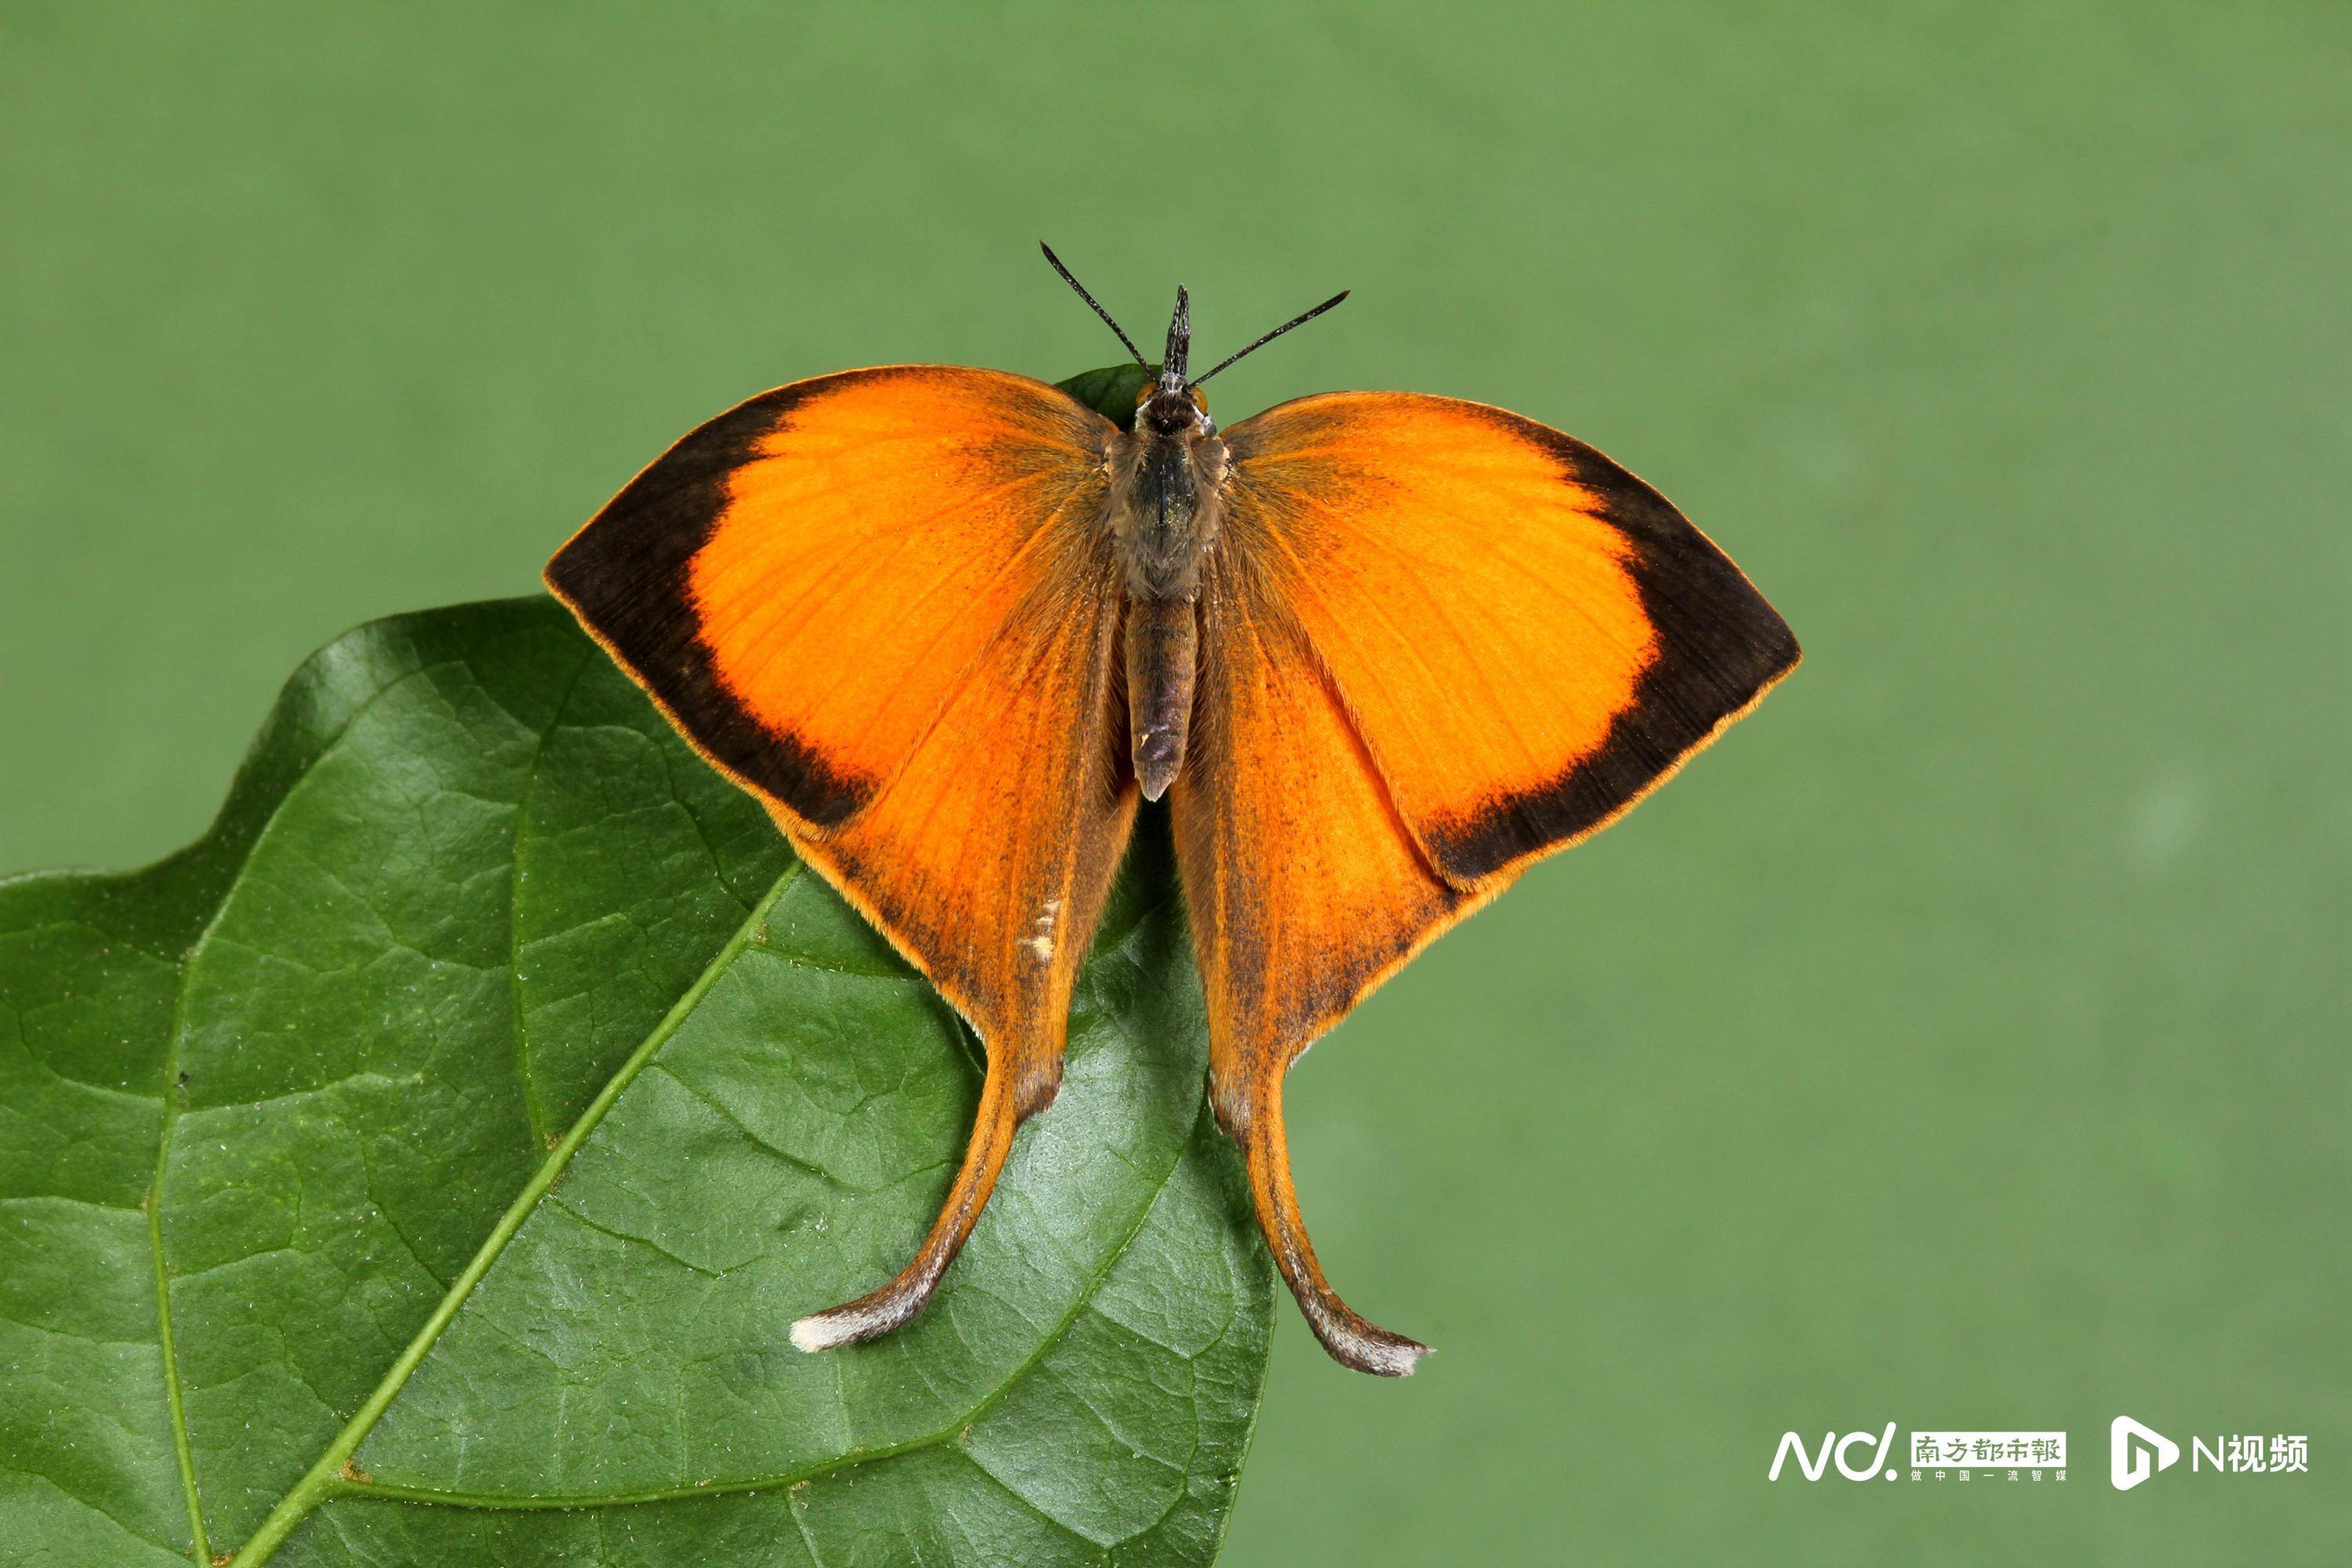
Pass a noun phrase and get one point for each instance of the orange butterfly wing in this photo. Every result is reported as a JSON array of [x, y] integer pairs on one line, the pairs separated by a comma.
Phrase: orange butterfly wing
[[879, 601], [1439, 641], [1529, 637]]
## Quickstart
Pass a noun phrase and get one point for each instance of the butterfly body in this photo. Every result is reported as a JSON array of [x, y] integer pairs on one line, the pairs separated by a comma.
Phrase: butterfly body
[[1378, 651], [1168, 473]]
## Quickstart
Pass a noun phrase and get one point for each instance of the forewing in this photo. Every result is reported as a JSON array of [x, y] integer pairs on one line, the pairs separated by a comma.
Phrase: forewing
[[879, 600], [1525, 637], [803, 582]]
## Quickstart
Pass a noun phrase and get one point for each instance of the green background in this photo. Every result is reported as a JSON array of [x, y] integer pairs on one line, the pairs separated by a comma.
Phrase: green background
[[1959, 1044]]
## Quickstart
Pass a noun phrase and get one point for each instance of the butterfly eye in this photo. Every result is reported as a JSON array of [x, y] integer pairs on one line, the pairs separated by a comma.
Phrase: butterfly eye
[[1143, 394], [1199, 399]]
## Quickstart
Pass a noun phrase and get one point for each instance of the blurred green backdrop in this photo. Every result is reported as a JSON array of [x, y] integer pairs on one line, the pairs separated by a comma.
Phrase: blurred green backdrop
[[1960, 1044]]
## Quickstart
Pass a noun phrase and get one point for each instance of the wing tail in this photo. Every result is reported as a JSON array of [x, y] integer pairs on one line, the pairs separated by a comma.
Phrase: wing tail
[[1255, 1124], [879, 1311]]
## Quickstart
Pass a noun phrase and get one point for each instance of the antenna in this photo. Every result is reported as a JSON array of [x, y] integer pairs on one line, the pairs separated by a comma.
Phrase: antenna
[[1294, 321], [1090, 300]]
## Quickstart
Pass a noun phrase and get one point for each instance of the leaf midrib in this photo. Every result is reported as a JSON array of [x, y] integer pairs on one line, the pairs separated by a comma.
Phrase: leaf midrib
[[816, 1469], [327, 1479]]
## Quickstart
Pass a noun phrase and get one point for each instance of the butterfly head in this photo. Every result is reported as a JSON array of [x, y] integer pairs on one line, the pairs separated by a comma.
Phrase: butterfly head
[[1172, 403]]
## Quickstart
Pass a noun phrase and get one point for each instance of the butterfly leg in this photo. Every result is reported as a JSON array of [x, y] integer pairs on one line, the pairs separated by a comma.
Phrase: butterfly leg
[[1003, 1103], [1253, 1120]]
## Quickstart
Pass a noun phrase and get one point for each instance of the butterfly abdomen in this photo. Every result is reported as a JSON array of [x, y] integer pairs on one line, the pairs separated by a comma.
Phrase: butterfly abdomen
[[1162, 648]]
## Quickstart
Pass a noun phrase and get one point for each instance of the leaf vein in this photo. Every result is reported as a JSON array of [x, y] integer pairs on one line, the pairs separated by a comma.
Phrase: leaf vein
[[947, 1435], [325, 1479]]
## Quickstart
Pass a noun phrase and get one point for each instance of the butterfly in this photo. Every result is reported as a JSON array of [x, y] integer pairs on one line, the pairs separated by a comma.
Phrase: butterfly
[[1377, 651]]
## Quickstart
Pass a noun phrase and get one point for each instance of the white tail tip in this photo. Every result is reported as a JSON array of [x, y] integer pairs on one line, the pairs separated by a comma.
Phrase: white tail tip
[[814, 1334]]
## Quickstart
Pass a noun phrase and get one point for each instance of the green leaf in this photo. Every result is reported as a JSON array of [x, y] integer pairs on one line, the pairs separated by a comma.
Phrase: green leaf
[[1112, 390], [426, 1167]]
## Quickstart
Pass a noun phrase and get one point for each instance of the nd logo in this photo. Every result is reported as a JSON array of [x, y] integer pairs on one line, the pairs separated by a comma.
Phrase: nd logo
[[1837, 1448]]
